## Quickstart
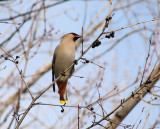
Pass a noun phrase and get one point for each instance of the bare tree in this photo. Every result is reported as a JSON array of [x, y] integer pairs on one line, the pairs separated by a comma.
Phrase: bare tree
[[116, 82]]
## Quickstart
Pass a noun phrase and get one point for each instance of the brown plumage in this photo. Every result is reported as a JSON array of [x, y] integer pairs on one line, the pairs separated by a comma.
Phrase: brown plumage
[[62, 90]]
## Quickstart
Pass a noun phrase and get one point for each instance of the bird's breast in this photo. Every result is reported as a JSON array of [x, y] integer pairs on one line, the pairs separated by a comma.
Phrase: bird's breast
[[64, 60]]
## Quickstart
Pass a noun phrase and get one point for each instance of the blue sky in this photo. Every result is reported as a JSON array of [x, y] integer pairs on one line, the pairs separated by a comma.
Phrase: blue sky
[[122, 62]]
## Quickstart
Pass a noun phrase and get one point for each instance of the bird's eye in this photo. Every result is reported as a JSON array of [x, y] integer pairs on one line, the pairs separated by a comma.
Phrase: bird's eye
[[75, 38]]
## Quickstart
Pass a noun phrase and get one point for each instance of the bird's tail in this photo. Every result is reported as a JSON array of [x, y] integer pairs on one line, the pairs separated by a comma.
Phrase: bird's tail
[[62, 91]]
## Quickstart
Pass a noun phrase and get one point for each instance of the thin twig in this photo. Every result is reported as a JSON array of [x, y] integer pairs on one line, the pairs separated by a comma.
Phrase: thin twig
[[78, 116], [155, 19], [14, 61]]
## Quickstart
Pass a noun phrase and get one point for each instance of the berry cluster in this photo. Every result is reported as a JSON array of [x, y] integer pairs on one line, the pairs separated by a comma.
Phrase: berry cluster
[[96, 43], [75, 62], [16, 60], [108, 18], [110, 35]]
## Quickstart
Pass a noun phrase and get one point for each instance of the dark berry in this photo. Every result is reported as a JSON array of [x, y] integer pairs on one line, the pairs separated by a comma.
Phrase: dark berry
[[93, 45], [148, 90], [87, 61], [17, 57], [62, 110], [92, 108], [63, 73], [148, 81], [112, 34], [98, 43], [6, 58], [108, 36], [108, 19], [75, 62]]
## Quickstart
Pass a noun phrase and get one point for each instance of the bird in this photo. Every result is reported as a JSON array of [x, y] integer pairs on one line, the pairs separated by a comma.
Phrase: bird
[[63, 58]]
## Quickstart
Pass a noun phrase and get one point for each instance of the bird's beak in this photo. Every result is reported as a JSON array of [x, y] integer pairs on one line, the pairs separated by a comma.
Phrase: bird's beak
[[78, 36]]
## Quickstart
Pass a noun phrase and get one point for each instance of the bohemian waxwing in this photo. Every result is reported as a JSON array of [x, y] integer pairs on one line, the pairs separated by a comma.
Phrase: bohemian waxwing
[[64, 56]]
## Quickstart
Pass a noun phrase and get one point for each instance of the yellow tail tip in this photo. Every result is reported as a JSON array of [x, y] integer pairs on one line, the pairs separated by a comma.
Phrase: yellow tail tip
[[63, 101]]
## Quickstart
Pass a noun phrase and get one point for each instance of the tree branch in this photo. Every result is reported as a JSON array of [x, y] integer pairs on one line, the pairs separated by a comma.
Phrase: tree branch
[[131, 101]]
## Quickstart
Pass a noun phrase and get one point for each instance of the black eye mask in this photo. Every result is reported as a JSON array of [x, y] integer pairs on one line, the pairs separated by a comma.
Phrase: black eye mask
[[75, 38]]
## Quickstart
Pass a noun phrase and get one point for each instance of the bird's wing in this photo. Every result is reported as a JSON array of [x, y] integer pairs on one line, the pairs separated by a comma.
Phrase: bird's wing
[[53, 71]]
